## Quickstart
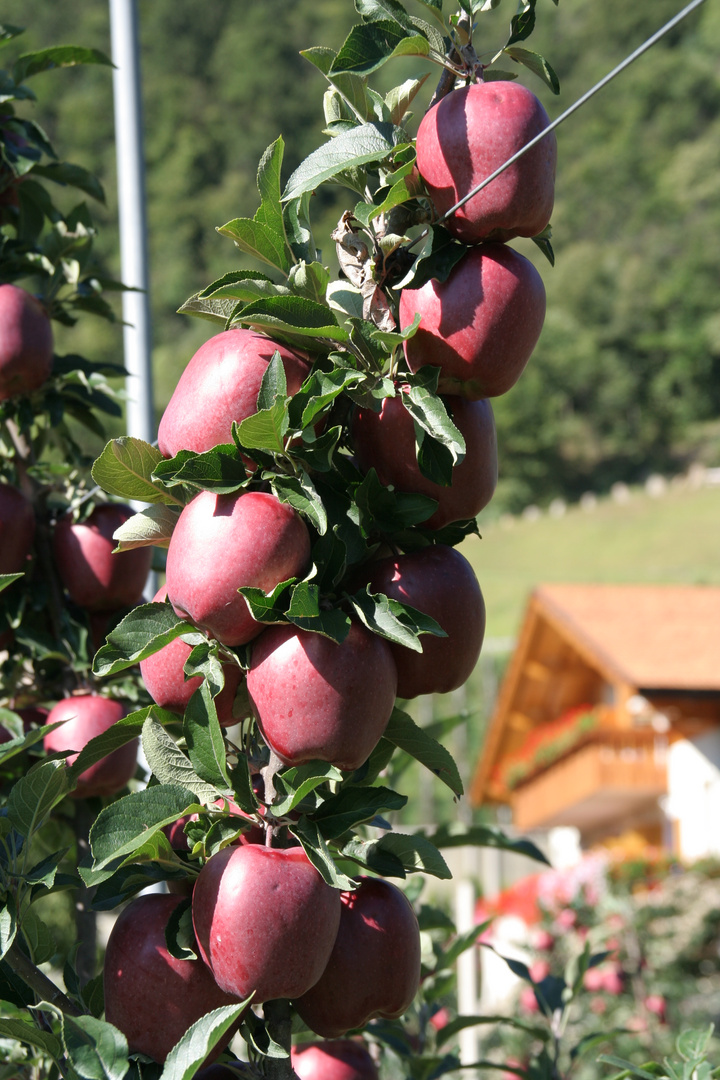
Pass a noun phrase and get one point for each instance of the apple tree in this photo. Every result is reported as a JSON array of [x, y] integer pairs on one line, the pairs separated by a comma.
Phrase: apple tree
[[322, 457]]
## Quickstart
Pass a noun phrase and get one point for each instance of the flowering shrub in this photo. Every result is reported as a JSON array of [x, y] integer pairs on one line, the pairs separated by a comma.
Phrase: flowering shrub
[[547, 743]]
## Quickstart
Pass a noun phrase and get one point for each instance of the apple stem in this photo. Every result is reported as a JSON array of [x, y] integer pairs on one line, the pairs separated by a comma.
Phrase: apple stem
[[85, 917], [43, 987], [278, 1018]]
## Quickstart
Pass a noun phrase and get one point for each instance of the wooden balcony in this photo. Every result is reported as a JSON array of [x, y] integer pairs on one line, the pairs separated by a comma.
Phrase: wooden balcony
[[610, 777]]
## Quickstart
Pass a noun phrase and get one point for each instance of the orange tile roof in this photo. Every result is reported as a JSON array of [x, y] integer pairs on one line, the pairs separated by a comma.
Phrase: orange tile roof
[[654, 636]]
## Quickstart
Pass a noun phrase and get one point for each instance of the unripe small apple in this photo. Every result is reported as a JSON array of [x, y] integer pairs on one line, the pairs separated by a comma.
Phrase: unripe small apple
[[374, 967], [469, 134], [265, 921], [26, 342], [85, 716], [221, 384], [333, 1059], [17, 529], [166, 682], [95, 578], [440, 582], [385, 441], [481, 325], [150, 995], [316, 699], [221, 542]]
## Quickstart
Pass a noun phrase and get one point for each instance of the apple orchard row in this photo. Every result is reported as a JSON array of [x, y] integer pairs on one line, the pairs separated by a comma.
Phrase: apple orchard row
[[312, 698]]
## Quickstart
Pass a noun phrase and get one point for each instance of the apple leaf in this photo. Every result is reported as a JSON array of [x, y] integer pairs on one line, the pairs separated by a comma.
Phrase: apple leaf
[[127, 823], [125, 468], [56, 56], [30, 1035], [265, 429], [352, 88], [317, 851], [298, 228], [368, 854], [129, 880], [22, 742], [310, 280], [306, 613], [94, 1047], [318, 452], [268, 607], [260, 240], [399, 99], [190, 1052], [404, 733], [8, 926], [153, 526], [396, 622], [122, 731], [294, 784], [246, 285], [430, 412], [438, 256], [255, 1032], [535, 63], [171, 766], [362, 145], [318, 391], [219, 469], [204, 737], [294, 317], [270, 212], [300, 493], [415, 854], [141, 633], [35, 794], [455, 834], [369, 45], [353, 806], [384, 510], [216, 309], [8, 579], [179, 937]]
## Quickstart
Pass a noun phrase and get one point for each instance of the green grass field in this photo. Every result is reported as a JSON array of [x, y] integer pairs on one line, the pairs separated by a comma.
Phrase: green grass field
[[671, 539]]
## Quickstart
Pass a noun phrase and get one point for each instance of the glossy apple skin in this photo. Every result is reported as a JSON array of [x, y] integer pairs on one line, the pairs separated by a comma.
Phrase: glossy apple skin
[[95, 578], [316, 699], [468, 135], [221, 384], [334, 1059], [385, 441], [264, 920], [151, 996], [221, 542], [440, 582], [26, 342], [86, 716], [17, 529], [481, 325], [374, 967], [165, 680]]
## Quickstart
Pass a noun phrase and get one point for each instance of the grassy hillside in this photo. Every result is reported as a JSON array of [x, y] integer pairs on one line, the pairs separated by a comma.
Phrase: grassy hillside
[[669, 539]]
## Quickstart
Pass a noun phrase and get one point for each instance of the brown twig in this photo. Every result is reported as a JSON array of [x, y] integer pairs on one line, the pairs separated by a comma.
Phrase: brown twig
[[43, 987]]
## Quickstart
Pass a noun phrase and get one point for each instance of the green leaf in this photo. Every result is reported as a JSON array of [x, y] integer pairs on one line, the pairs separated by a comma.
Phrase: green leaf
[[298, 230], [215, 309], [268, 607], [141, 633], [179, 937], [413, 854], [390, 511], [455, 834], [266, 429], [537, 64], [459, 1023], [403, 732], [353, 806], [305, 612], [375, 10], [317, 851], [628, 1069], [292, 785], [171, 766], [125, 468], [293, 315], [190, 1052], [8, 926], [460, 944], [268, 182], [318, 391], [393, 620], [96, 1049], [126, 824], [71, 176], [122, 731], [36, 794], [352, 87], [523, 23], [399, 99], [31, 1035], [56, 56], [300, 493], [310, 280], [220, 469], [255, 1033], [370, 45], [430, 412], [259, 240], [693, 1043], [399, 193], [438, 256], [204, 737], [8, 579], [361, 146], [153, 526]]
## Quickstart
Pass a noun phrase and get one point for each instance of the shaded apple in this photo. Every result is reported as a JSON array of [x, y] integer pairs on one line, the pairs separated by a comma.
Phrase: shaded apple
[[221, 384], [374, 967], [479, 326], [17, 529], [440, 582], [316, 699], [265, 921], [221, 542], [150, 995], [469, 134], [168, 686], [334, 1059], [26, 342], [95, 578], [84, 716], [385, 441]]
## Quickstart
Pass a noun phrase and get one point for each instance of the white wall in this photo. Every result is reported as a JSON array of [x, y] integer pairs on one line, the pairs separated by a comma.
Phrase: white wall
[[693, 799]]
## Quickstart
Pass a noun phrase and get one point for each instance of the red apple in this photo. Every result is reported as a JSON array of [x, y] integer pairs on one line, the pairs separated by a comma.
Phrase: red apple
[[17, 528], [265, 921], [168, 686], [385, 441], [440, 582], [481, 325], [221, 384], [334, 1059], [467, 136], [151, 996], [374, 967], [316, 699], [221, 542], [95, 578], [86, 716], [26, 342]]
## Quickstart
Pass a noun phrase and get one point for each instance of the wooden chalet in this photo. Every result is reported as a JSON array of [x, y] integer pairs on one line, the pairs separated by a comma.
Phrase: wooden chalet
[[605, 684]]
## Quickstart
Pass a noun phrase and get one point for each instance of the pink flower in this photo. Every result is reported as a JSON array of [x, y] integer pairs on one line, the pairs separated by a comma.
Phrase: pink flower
[[593, 979], [440, 1019], [566, 919], [656, 1003], [543, 940], [539, 969], [613, 980], [528, 1001]]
